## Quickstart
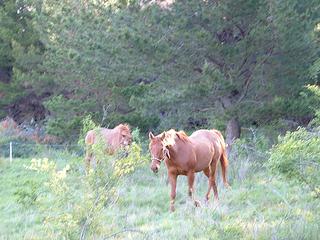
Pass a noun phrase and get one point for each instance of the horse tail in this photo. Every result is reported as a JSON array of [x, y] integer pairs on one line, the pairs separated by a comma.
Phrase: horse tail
[[223, 159], [224, 166]]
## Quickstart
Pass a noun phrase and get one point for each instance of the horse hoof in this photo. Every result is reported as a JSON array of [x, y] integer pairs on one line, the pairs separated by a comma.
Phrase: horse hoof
[[197, 203]]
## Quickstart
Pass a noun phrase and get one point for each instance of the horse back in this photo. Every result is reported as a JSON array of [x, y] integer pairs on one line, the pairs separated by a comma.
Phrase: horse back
[[212, 138], [204, 148], [103, 134], [204, 135]]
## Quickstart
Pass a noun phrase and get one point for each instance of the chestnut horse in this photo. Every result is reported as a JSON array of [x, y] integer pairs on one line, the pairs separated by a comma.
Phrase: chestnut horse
[[115, 138], [185, 155]]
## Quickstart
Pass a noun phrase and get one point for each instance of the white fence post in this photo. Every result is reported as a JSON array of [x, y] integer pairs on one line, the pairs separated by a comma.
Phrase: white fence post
[[10, 152]]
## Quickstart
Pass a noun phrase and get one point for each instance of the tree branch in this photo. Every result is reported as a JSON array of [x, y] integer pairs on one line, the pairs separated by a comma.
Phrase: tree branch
[[249, 78]]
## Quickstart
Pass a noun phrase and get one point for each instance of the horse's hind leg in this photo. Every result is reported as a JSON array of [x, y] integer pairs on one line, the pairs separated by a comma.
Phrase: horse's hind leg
[[207, 173], [212, 178], [190, 176]]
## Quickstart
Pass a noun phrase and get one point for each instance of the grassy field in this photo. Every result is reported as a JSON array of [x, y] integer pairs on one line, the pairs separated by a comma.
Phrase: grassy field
[[258, 206]]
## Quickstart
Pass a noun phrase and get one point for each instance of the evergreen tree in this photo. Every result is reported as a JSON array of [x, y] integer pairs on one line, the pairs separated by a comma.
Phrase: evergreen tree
[[20, 50], [187, 65]]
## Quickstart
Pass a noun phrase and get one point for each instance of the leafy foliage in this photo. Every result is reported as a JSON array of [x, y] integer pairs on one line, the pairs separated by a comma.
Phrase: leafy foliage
[[27, 193], [98, 189], [297, 157], [297, 153], [20, 50], [186, 65]]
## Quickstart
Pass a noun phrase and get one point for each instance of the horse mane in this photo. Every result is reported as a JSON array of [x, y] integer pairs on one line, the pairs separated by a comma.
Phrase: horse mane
[[124, 127], [183, 136], [172, 135]]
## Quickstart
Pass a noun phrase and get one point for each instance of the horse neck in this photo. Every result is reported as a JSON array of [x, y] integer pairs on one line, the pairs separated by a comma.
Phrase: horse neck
[[178, 150]]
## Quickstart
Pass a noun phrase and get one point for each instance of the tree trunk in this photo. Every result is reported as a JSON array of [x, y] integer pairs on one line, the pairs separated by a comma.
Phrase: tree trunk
[[5, 74], [233, 132]]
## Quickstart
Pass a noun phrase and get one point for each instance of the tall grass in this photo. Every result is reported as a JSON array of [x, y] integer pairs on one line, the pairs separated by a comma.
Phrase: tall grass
[[259, 205]]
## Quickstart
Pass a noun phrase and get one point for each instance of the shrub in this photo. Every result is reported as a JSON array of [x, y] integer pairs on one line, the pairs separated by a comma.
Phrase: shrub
[[27, 193], [248, 154], [296, 156], [78, 210]]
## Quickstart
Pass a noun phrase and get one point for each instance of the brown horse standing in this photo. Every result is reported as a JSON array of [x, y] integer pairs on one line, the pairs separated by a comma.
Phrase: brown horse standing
[[115, 138], [185, 155]]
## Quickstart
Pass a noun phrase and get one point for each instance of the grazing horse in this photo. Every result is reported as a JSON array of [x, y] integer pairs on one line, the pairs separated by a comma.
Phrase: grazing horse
[[185, 155], [115, 138]]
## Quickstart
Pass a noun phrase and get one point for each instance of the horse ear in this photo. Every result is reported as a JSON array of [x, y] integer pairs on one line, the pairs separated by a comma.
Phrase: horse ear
[[151, 136], [166, 152], [163, 135]]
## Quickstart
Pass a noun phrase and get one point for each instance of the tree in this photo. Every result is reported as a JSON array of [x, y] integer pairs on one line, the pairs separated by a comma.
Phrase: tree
[[229, 59], [20, 52], [187, 65]]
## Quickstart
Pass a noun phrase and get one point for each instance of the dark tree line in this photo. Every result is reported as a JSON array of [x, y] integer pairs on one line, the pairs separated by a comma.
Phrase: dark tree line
[[187, 65]]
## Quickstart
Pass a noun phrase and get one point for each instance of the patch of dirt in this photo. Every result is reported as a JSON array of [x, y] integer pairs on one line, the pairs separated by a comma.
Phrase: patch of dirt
[[28, 109]]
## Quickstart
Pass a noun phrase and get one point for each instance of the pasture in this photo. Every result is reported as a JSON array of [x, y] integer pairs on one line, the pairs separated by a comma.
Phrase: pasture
[[37, 203]]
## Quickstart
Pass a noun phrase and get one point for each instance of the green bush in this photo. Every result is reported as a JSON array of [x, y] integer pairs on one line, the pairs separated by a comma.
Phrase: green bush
[[77, 210], [27, 193], [248, 155], [296, 156]]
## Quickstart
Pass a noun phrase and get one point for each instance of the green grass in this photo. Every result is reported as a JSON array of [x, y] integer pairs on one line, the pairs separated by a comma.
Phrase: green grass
[[258, 206]]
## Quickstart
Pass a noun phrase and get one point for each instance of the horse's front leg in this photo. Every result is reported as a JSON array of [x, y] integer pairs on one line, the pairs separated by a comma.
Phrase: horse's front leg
[[173, 182], [191, 176], [87, 161]]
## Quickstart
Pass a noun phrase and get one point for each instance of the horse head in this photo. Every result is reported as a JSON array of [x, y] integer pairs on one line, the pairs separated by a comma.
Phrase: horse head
[[158, 150], [125, 137]]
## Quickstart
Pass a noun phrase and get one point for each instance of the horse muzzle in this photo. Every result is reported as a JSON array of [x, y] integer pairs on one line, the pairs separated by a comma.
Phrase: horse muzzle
[[155, 167]]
